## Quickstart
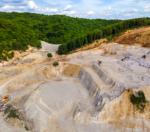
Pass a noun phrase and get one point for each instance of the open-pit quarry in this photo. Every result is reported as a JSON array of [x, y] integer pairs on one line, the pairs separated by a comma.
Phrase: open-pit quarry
[[80, 94]]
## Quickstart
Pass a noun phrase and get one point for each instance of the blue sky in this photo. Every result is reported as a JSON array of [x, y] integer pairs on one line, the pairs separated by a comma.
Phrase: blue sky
[[105, 9]]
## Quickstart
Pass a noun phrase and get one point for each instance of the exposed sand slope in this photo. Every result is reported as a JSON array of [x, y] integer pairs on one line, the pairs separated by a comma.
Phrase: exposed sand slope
[[139, 36]]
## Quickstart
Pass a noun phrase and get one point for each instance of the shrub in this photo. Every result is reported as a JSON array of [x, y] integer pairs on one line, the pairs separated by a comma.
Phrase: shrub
[[11, 55], [49, 55], [110, 38], [138, 99], [4, 58], [128, 90], [13, 113], [55, 63], [8, 107]]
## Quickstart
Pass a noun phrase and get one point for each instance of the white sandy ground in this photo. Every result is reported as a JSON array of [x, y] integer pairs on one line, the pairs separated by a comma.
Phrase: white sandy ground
[[49, 47], [59, 98]]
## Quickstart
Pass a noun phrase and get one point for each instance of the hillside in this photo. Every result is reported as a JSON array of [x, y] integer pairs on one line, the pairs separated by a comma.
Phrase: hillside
[[18, 30], [135, 36], [56, 28], [108, 31]]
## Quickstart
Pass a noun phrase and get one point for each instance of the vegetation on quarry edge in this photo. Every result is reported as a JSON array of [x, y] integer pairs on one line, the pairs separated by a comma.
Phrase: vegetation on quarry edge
[[138, 99]]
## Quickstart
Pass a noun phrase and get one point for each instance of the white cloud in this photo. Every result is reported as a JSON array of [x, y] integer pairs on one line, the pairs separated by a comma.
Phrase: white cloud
[[109, 8], [147, 7], [32, 5], [71, 12], [67, 12], [47, 10], [127, 15], [135, 10], [6, 7], [50, 10], [146, 10], [68, 7], [130, 11], [90, 13]]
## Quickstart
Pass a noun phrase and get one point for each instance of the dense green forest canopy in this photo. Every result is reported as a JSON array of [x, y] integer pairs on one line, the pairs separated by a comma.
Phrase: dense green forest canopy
[[17, 30]]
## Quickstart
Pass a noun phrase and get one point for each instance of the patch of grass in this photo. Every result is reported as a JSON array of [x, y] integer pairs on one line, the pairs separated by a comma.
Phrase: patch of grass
[[89, 48], [138, 99], [8, 107], [104, 41], [109, 38], [55, 63], [128, 90], [17, 58], [13, 113], [24, 55], [26, 128], [95, 45], [138, 35]]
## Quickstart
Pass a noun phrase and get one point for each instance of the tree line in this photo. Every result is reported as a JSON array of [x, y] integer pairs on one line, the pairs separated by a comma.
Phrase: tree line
[[18, 30], [110, 30]]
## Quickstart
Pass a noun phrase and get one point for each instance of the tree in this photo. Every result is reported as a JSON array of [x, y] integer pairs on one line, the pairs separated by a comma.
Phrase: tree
[[49, 55]]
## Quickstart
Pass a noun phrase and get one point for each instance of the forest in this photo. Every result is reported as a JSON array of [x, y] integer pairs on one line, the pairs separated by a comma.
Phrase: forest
[[18, 30], [109, 30]]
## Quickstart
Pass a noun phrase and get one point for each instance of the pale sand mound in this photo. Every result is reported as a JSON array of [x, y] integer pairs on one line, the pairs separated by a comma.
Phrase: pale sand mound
[[49, 47]]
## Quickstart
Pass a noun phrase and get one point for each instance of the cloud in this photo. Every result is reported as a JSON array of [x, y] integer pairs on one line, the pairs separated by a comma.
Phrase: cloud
[[7, 7], [109, 8], [32, 5], [47, 10], [72, 12], [146, 10], [90, 13], [147, 7], [67, 12], [127, 15], [68, 8], [130, 11], [107, 13]]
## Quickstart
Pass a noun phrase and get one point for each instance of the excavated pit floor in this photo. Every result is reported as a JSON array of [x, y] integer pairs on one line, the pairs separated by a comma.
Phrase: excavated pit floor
[[71, 96]]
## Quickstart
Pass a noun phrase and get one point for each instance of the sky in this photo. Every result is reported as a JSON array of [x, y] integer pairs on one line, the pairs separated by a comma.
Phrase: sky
[[91, 9]]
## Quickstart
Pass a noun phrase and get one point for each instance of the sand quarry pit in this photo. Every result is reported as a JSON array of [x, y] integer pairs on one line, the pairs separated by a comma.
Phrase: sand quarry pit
[[80, 95]]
